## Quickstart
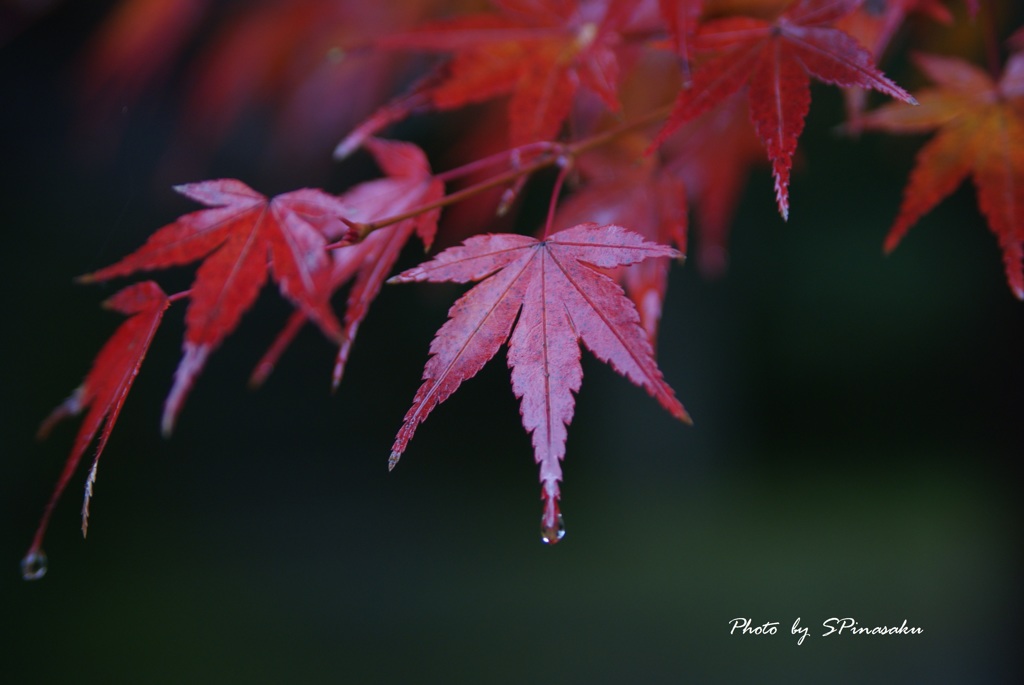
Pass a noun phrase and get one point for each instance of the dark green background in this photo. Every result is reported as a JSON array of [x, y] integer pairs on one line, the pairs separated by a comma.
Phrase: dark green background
[[858, 429]]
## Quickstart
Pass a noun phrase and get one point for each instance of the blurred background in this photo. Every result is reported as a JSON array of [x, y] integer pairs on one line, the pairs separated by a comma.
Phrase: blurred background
[[855, 453]]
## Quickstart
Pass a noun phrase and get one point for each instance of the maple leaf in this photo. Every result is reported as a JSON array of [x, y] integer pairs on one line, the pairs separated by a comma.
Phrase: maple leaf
[[103, 392], [537, 51], [560, 299], [409, 184], [242, 238], [980, 133], [776, 60]]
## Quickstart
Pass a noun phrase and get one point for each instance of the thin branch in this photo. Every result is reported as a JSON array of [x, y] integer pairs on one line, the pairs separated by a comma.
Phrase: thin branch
[[551, 154]]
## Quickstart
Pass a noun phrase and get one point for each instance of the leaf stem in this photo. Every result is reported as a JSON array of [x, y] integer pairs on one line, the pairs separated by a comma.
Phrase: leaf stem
[[564, 166], [549, 154], [492, 160]]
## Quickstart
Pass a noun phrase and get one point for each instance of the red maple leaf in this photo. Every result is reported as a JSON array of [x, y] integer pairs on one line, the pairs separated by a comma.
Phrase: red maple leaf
[[776, 60], [409, 184], [103, 391], [537, 51], [560, 299], [980, 133], [242, 239]]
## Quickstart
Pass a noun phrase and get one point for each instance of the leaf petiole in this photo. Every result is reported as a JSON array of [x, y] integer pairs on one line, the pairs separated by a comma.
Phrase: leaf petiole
[[550, 154]]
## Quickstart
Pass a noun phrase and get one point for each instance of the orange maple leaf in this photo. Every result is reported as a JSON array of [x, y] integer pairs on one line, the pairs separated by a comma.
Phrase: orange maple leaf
[[980, 133]]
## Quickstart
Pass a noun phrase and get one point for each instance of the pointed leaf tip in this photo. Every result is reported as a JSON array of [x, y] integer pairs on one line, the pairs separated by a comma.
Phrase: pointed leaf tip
[[192, 362]]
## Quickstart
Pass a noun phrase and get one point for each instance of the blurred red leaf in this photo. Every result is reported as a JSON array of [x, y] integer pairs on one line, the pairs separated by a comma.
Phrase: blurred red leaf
[[138, 42], [713, 155]]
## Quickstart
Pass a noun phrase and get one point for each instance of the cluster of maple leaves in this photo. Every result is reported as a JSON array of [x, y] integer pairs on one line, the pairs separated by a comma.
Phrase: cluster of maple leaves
[[645, 108]]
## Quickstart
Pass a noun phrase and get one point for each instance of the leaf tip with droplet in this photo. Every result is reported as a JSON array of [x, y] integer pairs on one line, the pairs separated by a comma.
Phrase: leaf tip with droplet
[[167, 425], [552, 523], [393, 460], [34, 564], [346, 147]]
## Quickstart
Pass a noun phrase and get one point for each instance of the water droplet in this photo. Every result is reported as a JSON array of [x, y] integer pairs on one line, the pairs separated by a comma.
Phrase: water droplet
[[33, 566], [551, 534]]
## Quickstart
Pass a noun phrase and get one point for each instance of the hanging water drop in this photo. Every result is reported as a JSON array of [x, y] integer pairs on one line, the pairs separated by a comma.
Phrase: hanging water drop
[[33, 566], [552, 525], [552, 533]]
